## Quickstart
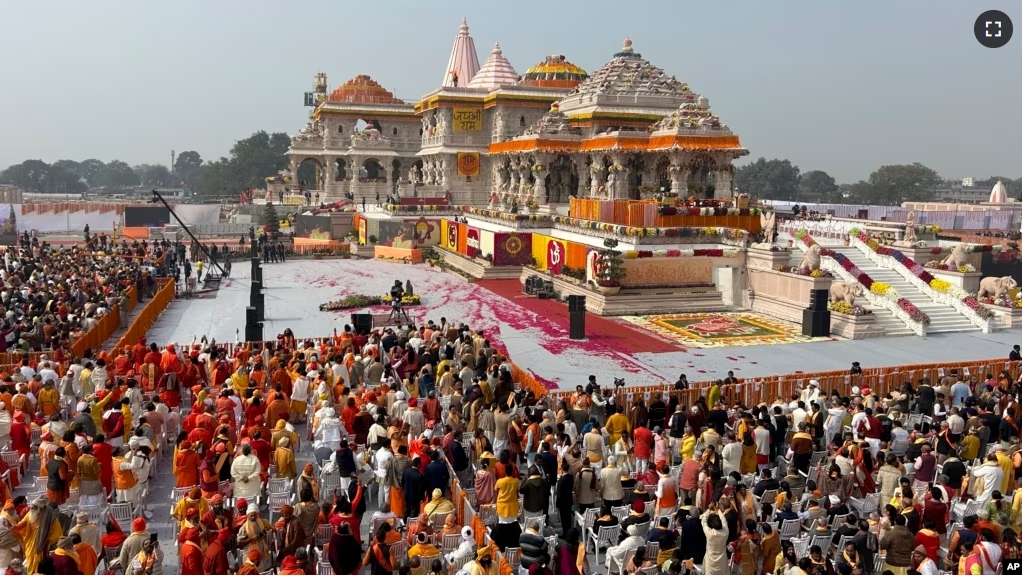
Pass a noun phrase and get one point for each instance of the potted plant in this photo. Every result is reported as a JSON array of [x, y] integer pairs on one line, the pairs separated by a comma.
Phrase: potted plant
[[372, 239], [611, 271]]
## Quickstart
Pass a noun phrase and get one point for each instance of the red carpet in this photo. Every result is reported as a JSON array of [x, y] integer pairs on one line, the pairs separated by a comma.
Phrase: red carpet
[[612, 334]]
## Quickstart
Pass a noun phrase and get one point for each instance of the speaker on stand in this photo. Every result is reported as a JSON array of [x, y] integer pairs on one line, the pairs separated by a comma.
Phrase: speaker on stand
[[816, 318], [576, 317]]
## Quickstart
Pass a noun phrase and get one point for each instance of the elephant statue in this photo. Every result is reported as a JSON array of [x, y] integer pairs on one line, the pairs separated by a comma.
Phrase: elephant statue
[[845, 291], [995, 287], [812, 259], [957, 257]]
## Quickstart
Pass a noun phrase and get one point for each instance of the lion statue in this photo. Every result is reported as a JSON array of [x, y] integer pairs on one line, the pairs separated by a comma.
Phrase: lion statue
[[995, 287], [845, 291], [812, 259], [957, 257]]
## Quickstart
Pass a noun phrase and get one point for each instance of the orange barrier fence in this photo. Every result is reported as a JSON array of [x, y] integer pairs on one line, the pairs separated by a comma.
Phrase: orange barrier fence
[[108, 324], [145, 320], [410, 254], [330, 245], [135, 232]]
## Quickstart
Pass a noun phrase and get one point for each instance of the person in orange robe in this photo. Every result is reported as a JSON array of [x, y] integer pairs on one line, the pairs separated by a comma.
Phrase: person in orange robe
[[150, 374], [278, 409], [283, 379], [139, 353], [123, 363], [251, 565], [187, 465], [258, 377], [215, 558], [72, 454], [21, 436], [191, 555], [87, 558], [169, 362], [290, 566]]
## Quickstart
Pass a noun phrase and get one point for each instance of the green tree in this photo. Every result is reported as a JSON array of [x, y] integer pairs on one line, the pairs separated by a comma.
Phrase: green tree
[[61, 181], [215, 181], [897, 183], [90, 169], [819, 186], [116, 175], [30, 175], [188, 167], [769, 179], [71, 166], [860, 193], [258, 156], [155, 175], [272, 221]]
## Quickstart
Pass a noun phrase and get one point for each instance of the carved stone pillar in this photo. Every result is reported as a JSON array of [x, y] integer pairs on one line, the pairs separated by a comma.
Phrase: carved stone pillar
[[723, 184], [445, 177], [617, 182], [539, 190], [524, 173]]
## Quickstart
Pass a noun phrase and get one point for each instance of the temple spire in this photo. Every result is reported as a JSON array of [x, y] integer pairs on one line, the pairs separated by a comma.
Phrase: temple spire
[[464, 62]]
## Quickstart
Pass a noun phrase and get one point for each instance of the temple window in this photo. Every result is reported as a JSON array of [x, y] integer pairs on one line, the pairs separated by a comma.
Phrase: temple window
[[521, 121]]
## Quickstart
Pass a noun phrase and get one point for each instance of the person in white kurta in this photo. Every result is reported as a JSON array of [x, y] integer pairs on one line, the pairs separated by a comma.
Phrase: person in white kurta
[[715, 528], [328, 433], [245, 469]]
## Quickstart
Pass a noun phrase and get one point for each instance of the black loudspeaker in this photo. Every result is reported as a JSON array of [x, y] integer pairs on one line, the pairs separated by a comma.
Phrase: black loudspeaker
[[362, 322], [818, 299], [816, 323], [253, 327], [577, 324], [576, 303]]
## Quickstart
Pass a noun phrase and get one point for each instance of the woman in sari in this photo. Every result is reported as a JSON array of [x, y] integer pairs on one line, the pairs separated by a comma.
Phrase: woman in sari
[[862, 471]]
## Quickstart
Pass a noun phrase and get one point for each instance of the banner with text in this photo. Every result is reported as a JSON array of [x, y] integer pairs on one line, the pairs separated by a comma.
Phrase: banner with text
[[467, 119], [468, 163]]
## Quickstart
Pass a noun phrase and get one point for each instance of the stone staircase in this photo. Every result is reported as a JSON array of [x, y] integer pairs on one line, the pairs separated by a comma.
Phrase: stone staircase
[[943, 318]]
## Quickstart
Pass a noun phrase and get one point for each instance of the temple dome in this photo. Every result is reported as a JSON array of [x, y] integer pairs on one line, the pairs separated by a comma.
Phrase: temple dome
[[553, 122], [363, 90], [692, 116], [630, 75], [554, 72], [497, 71], [998, 195]]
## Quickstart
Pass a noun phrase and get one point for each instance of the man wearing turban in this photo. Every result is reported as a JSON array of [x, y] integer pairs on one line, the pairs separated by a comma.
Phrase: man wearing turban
[[39, 531], [191, 552], [215, 559], [291, 530], [252, 561], [253, 536]]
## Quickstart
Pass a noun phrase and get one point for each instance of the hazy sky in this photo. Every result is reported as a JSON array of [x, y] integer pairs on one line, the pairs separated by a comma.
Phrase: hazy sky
[[837, 86]]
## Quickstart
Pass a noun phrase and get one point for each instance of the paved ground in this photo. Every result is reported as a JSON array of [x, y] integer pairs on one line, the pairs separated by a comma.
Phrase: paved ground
[[538, 343]]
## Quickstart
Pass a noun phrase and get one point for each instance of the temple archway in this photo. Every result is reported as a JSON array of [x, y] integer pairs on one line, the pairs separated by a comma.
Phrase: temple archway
[[372, 171], [340, 170], [663, 174], [700, 180], [395, 170], [634, 166], [561, 180], [311, 173]]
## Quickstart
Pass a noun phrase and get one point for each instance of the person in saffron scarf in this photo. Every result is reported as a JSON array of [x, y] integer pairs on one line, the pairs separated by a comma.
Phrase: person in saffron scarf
[[191, 554], [252, 562], [39, 531], [253, 536], [65, 559], [292, 535], [308, 480], [114, 536]]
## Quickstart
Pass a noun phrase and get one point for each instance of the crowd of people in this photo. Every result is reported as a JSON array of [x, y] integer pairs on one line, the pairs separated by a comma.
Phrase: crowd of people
[[353, 452]]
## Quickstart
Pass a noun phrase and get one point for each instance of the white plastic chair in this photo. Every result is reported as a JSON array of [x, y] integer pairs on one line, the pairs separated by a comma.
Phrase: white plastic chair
[[607, 536]]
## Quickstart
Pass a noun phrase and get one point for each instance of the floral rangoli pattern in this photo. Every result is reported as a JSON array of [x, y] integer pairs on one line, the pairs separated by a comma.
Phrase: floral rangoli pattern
[[713, 330]]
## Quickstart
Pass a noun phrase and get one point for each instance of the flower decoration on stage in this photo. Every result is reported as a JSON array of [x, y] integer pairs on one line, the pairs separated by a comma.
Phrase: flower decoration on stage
[[615, 168], [364, 301], [538, 168], [513, 244], [675, 253], [914, 313], [935, 283], [842, 307]]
